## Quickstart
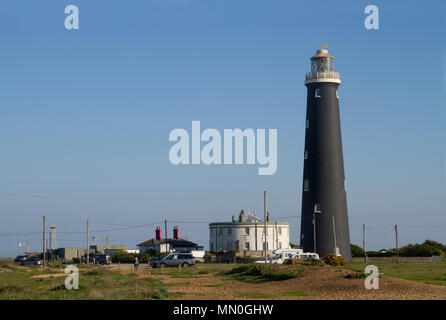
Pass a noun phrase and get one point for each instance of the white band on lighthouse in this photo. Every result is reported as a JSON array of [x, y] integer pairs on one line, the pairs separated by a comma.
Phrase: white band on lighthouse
[[329, 76]]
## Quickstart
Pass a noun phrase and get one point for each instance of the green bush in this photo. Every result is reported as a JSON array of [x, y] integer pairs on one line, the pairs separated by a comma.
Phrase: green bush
[[420, 250], [209, 257], [157, 294], [356, 275], [435, 244], [125, 257], [357, 251], [261, 273], [334, 260]]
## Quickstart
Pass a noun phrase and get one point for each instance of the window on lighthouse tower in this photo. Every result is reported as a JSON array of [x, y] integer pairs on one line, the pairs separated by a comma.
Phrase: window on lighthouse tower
[[306, 185], [317, 93]]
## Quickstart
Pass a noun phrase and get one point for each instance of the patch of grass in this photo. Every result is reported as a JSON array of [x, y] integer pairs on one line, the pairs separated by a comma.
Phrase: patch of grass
[[263, 273], [94, 283], [6, 265], [217, 285], [56, 265], [176, 294], [356, 275], [251, 270], [177, 284], [96, 294], [296, 294], [58, 287], [427, 272], [97, 272], [255, 295], [157, 294], [12, 289]]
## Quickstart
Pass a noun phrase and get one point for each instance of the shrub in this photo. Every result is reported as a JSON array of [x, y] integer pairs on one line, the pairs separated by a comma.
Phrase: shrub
[[334, 260], [356, 275], [294, 246], [125, 257], [56, 265], [6, 266], [209, 257], [435, 244], [251, 270], [357, 251], [261, 273], [420, 250], [157, 294]]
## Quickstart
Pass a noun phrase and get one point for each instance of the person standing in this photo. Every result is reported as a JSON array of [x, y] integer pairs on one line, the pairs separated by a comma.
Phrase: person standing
[[136, 263]]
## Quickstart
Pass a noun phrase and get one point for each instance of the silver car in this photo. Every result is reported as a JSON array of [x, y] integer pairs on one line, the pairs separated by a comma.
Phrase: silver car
[[174, 260]]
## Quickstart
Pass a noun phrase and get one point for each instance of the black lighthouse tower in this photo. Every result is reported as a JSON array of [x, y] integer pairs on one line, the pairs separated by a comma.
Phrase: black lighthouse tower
[[324, 220]]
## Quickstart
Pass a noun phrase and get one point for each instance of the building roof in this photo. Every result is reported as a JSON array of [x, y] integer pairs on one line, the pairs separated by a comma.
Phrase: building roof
[[322, 53], [173, 242]]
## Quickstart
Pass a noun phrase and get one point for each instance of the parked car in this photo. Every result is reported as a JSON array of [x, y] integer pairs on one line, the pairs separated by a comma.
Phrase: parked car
[[31, 262], [102, 259], [154, 261], [20, 258], [173, 260]]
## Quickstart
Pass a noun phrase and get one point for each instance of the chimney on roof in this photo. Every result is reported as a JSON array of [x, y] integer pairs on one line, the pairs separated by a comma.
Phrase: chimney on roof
[[241, 216], [176, 232], [158, 233]]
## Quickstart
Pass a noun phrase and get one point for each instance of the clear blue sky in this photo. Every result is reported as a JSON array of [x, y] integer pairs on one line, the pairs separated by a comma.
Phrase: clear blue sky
[[85, 115]]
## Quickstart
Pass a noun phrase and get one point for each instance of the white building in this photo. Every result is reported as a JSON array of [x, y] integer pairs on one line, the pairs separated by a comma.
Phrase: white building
[[247, 235]]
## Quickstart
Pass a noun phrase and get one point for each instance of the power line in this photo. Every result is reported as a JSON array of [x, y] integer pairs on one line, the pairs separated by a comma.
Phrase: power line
[[289, 217], [423, 227], [20, 233], [114, 224], [19, 195]]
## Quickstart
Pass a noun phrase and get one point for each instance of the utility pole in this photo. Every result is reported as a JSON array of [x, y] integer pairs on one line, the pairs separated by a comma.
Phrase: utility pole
[[396, 239], [334, 235], [165, 234], [363, 243], [277, 238], [88, 242], [256, 235], [314, 231], [266, 232], [44, 243]]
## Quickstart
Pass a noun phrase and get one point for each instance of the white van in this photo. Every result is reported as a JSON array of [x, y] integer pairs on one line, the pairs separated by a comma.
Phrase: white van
[[280, 255]]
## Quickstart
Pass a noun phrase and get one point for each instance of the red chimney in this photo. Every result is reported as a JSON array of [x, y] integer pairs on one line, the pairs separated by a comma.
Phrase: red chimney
[[176, 232], [158, 233]]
